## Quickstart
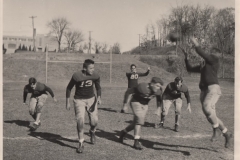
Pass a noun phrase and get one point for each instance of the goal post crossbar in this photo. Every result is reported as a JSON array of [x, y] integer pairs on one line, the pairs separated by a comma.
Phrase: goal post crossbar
[[51, 61], [73, 62]]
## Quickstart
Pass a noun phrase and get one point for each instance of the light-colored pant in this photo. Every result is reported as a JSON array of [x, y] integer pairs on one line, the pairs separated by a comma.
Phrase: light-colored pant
[[139, 112], [36, 103], [167, 104], [89, 105], [209, 98]]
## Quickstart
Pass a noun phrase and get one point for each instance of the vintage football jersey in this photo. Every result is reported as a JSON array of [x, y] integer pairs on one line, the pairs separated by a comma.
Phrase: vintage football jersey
[[84, 85], [172, 92], [133, 78], [38, 91], [143, 94]]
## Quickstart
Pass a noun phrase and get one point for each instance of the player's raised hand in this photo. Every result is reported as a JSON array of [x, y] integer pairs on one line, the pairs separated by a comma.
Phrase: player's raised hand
[[189, 108], [149, 68]]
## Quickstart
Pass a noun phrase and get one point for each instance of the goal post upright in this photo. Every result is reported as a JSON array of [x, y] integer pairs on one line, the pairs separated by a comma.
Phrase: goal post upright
[[46, 62], [111, 66]]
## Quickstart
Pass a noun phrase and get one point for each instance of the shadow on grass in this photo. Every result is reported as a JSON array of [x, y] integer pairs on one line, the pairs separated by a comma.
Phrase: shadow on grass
[[19, 123], [146, 124], [111, 110], [54, 138], [113, 136], [107, 109], [150, 144]]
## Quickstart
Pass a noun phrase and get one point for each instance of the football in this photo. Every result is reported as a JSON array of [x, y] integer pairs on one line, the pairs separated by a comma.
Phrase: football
[[173, 37]]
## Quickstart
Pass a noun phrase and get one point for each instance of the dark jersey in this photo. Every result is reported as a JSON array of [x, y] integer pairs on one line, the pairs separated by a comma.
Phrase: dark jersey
[[38, 91], [143, 94], [133, 78], [172, 92], [84, 85], [209, 70]]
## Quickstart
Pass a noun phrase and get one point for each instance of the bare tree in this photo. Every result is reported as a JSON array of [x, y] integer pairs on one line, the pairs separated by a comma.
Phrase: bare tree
[[73, 37], [104, 47], [116, 48], [57, 27], [97, 47]]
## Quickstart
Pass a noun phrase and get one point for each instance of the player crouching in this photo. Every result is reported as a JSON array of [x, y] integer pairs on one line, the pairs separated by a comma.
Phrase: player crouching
[[142, 94], [37, 100]]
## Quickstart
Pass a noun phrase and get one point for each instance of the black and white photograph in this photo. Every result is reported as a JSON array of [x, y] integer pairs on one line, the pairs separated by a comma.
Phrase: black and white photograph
[[119, 80]]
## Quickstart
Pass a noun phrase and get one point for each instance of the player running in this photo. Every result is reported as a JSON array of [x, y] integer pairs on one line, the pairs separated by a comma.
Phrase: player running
[[37, 100], [142, 94], [172, 95], [210, 89], [85, 100], [132, 82]]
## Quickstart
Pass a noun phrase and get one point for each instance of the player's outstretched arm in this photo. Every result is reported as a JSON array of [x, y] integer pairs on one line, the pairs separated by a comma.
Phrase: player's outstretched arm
[[200, 51], [49, 90], [144, 74]]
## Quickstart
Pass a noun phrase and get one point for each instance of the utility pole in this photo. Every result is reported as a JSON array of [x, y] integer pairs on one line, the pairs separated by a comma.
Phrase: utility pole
[[34, 32], [139, 39], [90, 44]]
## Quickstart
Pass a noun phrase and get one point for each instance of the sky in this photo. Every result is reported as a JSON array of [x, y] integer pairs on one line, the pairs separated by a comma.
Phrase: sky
[[110, 21]]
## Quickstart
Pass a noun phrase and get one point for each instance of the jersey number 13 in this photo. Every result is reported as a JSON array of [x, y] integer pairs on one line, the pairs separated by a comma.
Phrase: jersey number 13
[[87, 83]]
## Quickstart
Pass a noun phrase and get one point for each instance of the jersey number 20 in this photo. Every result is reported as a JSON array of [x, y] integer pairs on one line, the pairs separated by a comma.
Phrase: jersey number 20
[[87, 83]]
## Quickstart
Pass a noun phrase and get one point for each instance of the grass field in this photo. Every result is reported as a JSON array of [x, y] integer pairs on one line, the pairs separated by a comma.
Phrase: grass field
[[56, 139]]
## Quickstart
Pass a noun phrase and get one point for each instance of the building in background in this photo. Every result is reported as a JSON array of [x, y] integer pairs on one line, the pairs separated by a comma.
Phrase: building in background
[[12, 43]]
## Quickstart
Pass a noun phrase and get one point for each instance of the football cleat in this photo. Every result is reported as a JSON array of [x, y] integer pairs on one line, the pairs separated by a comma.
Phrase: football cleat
[[34, 126], [80, 148], [123, 111], [121, 137], [158, 125], [227, 136], [137, 145], [93, 137], [176, 129], [215, 134]]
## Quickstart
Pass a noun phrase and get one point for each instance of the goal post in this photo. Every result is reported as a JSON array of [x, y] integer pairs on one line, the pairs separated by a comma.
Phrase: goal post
[[70, 61]]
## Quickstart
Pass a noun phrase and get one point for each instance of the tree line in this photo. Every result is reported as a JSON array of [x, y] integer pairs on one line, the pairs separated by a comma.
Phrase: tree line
[[211, 26], [60, 29]]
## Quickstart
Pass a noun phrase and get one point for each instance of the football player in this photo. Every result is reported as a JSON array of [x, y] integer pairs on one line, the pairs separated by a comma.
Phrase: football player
[[142, 94], [172, 95], [209, 86], [132, 82], [85, 99], [38, 98]]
